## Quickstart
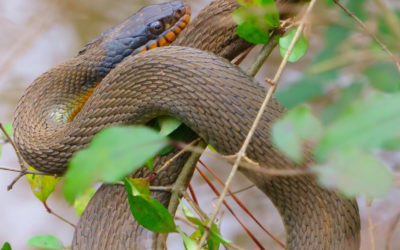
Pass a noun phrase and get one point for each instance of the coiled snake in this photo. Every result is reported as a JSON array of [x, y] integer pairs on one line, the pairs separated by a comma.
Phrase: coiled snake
[[211, 96]]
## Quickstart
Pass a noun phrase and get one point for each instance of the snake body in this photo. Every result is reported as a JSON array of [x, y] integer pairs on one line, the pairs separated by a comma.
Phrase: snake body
[[212, 97]]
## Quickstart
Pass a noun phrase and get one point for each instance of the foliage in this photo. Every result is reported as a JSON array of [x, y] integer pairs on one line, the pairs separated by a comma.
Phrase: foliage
[[41, 185], [82, 201], [45, 241], [146, 210], [112, 154], [255, 19], [214, 239], [6, 246], [346, 131], [299, 49]]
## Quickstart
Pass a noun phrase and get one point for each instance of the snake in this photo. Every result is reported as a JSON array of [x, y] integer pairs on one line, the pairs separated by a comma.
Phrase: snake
[[127, 76]]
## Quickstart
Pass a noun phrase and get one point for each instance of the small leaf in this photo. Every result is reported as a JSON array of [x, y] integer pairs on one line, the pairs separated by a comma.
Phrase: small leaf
[[189, 215], [189, 243], [168, 124], [112, 154], [45, 241], [366, 124], [384, 77], [255, 19], [216, 236], [299, 49], [355, 173], [347, 96], [81, 202], [6, 246], [139, 186], [287, 140], [304, 90], [41, 185], [149, 212], [299, 124], [392, 144]]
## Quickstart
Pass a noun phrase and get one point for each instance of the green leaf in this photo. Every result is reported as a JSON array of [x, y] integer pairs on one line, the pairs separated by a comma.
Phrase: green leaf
[[81, 202], [304, 90], [299, 49], [112, 154], [299, 124], [216, 236], [354, 172], [347, 95], [255, 19], [41, 185], [139, 186], [384, 77], [366, 124], [168, 124], [6, 246], [189, 243], [45, 241], [149, 212], [392, 144], [285, 137], [189, 215]]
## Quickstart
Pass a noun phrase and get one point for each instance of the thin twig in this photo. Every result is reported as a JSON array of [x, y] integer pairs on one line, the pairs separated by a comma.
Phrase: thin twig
[[392, 228], [251, 165], [243, 206], [243, 149], [181, 184], [183, 179], [364, 27], [161, 188], [186, 221], [390, 18], [213, 188], [241, 190], [11, 185], [239, 59], [196, 207], [368, 203], [203, 217], [193, 194], [20, 160], [57, 215], [21, 174], [184, 149], [25, 172], [264, 54]]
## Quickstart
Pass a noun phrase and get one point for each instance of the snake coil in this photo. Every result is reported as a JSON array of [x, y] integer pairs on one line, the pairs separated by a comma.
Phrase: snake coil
[[212, 97]]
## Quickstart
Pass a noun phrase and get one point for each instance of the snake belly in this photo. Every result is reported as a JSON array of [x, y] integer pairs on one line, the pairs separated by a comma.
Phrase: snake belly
[[217, 101]]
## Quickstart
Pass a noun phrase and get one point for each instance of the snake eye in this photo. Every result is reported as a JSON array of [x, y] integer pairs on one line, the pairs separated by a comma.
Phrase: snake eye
[[156, 27]]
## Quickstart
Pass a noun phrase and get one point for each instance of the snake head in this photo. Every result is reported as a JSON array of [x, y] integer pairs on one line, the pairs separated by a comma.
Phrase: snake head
[[152, 26]]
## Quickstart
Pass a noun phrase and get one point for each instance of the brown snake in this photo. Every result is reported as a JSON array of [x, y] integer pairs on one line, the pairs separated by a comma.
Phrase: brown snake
[[217, 101]]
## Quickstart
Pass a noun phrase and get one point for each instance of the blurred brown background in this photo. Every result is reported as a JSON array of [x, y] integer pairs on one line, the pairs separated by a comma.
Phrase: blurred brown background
[[38, 34]]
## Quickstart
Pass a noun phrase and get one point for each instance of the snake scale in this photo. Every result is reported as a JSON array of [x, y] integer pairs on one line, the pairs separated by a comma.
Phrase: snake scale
[[212, 97]]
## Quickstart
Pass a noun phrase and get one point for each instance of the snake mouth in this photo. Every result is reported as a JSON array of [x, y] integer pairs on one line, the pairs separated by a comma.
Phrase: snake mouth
[[181, 19]]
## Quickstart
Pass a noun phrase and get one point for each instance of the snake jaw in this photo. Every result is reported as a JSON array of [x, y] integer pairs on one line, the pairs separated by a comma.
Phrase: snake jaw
[[181, 18]]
